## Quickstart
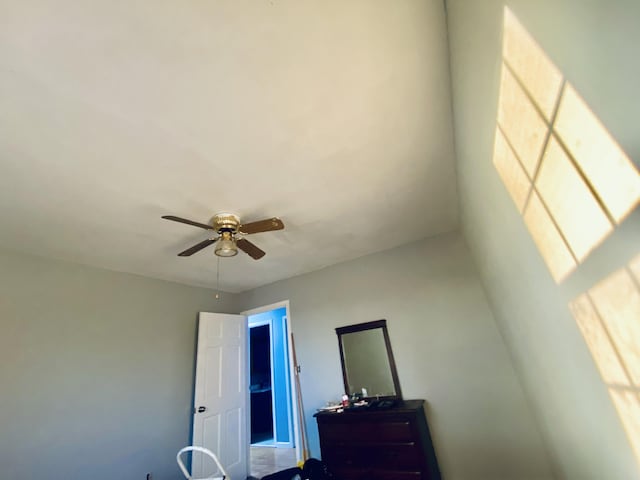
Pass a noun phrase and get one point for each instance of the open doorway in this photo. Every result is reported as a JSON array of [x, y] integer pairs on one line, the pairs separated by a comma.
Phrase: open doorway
[[261, 384], [273, 416]]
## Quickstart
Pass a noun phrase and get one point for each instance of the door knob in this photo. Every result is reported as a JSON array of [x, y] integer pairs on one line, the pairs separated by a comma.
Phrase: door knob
[[202, 409]]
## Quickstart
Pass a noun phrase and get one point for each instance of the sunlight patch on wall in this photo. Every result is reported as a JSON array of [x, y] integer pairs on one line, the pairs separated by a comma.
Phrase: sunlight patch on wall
[[511, 171], [608, 316], [567, 176], [570, 202], [603, 163], [520, 122], [531, 65], [572, 184], [550, 243]]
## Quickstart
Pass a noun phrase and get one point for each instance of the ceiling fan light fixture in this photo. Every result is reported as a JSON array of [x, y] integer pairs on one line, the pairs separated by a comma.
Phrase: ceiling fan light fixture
[[226, 246], [227, 225]]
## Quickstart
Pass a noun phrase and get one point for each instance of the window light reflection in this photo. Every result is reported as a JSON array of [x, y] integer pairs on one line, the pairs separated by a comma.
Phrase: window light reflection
[[570, 202], [511, 171], [572, 184], [552, 246], [540, 76], [521, 123], [607, 316], [550, 143], [607, 168]]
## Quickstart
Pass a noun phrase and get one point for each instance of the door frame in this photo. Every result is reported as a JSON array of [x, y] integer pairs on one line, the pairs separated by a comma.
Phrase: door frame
[[292, 372]]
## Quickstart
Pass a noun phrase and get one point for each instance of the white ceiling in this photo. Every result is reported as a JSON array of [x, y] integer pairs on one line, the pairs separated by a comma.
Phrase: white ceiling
[[334, 115]]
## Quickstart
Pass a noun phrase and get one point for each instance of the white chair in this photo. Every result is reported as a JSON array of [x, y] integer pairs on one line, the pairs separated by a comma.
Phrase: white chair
[[206, 452]]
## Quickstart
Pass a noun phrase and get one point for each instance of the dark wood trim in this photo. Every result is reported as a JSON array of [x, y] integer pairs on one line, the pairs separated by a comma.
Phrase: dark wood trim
[[359, 327]]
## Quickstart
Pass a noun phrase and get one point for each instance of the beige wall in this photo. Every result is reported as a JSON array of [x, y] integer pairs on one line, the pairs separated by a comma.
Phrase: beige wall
[[96, 371], [594, 43], [445, 342]]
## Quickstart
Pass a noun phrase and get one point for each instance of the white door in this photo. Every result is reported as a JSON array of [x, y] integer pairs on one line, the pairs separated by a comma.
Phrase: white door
[[220, 407]]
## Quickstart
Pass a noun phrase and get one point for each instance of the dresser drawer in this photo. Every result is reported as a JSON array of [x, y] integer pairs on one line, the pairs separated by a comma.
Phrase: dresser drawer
[[401, 456], [347, 473], [395, 475], [389, 431]]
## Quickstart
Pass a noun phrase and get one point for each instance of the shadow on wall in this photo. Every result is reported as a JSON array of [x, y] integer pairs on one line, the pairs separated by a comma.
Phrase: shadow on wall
[[573, 185]]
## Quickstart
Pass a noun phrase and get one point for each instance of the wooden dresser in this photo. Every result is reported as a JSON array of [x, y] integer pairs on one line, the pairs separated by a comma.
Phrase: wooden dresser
[[392, 444]]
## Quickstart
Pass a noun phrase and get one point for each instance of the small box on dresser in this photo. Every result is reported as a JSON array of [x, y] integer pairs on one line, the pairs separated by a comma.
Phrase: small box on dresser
[[389, 444]]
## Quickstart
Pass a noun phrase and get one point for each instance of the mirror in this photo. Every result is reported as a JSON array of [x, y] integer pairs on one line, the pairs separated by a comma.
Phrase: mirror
[[368, 367]]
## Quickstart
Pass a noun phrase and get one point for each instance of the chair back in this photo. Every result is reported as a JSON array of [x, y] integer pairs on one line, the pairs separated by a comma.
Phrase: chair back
[[205, 451]]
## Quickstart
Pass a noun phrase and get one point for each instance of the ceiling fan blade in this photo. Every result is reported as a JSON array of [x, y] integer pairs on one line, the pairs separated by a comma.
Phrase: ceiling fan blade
[[196, 248], [188, 222], [266, 225], [250, 249]]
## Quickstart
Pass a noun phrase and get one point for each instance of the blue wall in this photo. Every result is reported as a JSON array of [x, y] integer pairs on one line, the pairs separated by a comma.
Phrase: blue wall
[[281, 370]]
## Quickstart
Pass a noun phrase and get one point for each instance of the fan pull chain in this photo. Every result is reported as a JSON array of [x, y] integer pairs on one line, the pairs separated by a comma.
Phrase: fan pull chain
[[218, 278]]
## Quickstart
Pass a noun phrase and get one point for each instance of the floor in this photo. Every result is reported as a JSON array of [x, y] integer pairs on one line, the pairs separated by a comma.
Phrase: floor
[[262, 440], [267, 460]]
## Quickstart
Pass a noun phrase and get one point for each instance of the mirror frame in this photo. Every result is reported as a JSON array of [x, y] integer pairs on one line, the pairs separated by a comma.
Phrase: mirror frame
[[360, 327]]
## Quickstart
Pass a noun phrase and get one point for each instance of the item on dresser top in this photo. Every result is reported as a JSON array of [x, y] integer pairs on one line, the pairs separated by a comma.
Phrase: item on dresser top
[[381, 404], [329, 408]]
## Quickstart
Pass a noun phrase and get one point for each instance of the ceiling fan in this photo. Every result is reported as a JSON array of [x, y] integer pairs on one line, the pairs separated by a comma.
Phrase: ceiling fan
[[230, 234]]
